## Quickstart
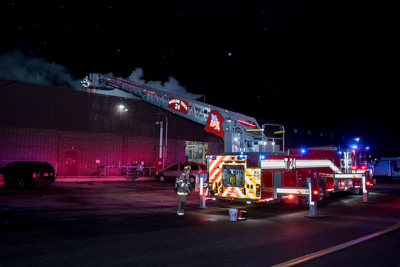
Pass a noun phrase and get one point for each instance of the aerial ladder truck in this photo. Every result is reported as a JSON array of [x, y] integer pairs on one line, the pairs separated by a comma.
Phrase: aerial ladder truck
[[254, 166]]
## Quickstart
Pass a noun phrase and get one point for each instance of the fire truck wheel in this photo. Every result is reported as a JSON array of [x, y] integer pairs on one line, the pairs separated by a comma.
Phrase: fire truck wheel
[[322, 192], [161, 178], [303, 201], [321, 196]]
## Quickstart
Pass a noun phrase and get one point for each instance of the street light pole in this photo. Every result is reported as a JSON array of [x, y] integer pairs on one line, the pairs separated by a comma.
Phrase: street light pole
[[161, 139], [164, 151]]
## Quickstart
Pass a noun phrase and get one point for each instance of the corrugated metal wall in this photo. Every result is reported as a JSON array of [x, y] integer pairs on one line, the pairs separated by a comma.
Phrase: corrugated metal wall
[[90, 123]]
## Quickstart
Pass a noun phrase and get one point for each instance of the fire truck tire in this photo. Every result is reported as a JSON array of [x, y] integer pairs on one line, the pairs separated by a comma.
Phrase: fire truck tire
[[322, 192], [303, 201]]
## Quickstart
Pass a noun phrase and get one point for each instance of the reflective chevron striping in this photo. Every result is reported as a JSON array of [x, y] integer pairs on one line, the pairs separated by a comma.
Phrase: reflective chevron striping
[[251, 180]]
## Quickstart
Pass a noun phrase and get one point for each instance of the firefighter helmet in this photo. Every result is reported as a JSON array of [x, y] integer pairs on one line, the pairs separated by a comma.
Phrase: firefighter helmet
[[187, 168]]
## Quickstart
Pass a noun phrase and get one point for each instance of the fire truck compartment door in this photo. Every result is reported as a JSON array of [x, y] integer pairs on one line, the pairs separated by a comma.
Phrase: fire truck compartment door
[[278, 179]]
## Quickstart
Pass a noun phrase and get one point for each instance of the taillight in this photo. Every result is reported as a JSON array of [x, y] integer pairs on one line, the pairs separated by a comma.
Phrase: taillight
[[363, 167], [289, 197], [353, 167], [34, 174], [1, 176]]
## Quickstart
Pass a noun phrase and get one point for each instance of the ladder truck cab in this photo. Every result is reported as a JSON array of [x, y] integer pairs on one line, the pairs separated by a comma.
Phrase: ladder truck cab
[[273, 177], [356, 159]]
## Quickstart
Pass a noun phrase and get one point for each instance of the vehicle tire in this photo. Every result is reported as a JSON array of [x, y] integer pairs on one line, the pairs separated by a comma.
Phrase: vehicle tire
[[161, 178], [322, 192], [21, 183], [304, 203], [303, 200]]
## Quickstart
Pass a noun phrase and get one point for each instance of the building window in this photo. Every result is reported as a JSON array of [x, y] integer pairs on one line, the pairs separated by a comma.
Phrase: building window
[[196, 151]]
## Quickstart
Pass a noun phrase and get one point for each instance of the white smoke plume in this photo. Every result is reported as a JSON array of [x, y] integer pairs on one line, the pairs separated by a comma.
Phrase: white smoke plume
[[171, 86], [14, 65]]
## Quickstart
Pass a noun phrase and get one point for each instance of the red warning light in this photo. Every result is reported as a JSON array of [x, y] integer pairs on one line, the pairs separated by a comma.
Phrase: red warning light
[[363, 167]]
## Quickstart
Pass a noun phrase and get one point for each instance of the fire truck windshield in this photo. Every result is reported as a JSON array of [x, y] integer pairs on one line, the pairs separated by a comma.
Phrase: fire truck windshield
[[233, 175]]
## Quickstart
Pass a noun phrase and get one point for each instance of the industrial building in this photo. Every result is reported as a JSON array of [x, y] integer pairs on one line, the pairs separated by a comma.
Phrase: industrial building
[[88, 134], [82, 133]]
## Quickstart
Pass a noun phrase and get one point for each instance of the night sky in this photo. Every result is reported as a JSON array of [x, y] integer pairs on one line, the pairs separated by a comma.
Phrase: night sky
[[331, 64]]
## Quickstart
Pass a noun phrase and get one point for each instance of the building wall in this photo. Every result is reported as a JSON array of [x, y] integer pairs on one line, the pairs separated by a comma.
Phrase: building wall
[[17, 143], [79, 132]]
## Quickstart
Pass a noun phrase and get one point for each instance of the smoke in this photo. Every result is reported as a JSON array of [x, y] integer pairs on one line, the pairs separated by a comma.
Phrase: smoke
[[171, 86], [14, 65]]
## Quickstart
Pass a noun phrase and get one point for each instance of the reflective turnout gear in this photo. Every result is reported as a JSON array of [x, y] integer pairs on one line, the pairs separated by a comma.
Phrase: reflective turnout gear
[[183, 190]]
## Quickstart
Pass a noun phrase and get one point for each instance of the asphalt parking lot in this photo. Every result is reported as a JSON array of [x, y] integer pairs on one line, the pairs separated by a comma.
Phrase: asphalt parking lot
[[125, 223], [114, 196], [88, 198]]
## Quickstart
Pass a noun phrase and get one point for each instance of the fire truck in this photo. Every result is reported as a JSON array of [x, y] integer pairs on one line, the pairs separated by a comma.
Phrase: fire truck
[[272, 177], [255, 167]]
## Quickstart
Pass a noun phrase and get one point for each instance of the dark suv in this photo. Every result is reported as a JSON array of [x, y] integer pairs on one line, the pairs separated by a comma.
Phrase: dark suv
[[176, 170], [23, 173]]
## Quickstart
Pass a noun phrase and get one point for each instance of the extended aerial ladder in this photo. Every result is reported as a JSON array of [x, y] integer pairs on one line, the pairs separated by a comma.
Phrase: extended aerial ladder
[[240, 133]]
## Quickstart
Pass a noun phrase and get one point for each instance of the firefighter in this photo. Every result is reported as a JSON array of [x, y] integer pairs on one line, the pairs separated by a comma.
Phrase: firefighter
[[183, 188]]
